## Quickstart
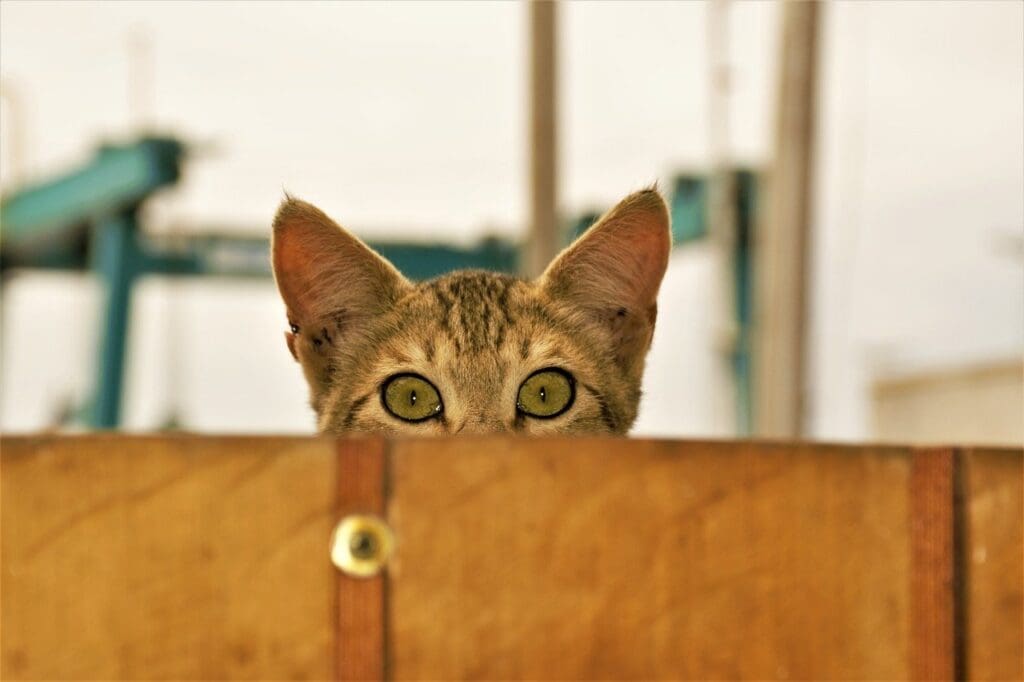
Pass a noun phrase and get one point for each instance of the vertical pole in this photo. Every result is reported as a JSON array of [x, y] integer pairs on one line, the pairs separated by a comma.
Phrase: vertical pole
[[16, 134], [745, 185], [543, 240], [721, 219], [782, 245], [113, 261], [140, 79]]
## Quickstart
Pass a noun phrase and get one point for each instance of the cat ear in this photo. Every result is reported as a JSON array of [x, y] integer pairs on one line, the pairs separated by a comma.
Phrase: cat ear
[[613, 273], [321, 269], [331, 283]]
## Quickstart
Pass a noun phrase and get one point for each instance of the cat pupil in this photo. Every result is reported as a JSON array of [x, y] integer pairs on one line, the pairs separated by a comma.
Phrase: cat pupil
[[543, 394], [412, 398]]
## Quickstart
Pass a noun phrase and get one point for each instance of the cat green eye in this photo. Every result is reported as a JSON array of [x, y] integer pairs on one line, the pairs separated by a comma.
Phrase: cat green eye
[[411, 398], [546, 393]]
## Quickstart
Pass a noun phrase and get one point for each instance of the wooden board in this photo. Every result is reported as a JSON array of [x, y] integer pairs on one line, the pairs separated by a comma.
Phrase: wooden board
[[361, 643], [933, 599], [615, 559], [156, 558], [994, 564], [207, 558]]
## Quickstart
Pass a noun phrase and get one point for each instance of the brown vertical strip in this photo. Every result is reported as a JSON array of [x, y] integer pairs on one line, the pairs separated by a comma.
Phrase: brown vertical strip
[[993, 556], [360, 601], [961, 565], [932, 593]]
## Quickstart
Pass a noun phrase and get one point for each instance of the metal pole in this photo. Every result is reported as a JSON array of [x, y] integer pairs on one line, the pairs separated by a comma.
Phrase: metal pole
[[782, 245], [543, 241], [140, 79], [729, 407], [113, 260], [16, 134]]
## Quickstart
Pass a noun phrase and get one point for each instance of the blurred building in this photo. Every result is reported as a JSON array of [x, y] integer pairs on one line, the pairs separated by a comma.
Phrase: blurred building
[[982, 404]]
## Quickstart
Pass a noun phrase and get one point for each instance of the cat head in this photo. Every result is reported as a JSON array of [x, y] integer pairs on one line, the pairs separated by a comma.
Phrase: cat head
[[472, 351]]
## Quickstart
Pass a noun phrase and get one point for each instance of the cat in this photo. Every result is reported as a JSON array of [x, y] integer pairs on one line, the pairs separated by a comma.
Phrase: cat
[[473, 352]]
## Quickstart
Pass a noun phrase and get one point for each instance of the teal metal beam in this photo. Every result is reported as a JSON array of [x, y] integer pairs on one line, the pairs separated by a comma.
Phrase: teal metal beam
[[114, 260], [689, 208], [742, 261], [117, 179], [249, 257]]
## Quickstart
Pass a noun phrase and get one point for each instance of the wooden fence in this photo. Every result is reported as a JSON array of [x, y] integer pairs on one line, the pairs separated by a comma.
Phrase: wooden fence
[[208, 558]]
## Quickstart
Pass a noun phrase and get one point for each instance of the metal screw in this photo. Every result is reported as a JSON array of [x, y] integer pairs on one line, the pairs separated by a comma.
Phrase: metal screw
[[361, 545]]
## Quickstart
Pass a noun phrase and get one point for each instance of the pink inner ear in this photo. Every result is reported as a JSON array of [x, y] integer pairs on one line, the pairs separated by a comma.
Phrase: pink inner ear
[[296, 271], [648, 248], [321, 269]]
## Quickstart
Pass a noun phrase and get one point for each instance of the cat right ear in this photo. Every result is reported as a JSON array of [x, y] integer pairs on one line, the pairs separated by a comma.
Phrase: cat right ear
[[330, 281], [613, 272]]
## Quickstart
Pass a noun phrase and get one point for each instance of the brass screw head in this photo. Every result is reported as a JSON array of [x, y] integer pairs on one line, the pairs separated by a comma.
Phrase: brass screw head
[[361, 545]]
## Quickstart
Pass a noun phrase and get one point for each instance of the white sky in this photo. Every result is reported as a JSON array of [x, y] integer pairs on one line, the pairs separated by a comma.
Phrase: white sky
[[408, 119], [390, 114]]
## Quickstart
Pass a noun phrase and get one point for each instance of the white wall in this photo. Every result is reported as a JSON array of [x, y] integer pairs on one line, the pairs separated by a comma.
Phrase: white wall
[[921, 188]]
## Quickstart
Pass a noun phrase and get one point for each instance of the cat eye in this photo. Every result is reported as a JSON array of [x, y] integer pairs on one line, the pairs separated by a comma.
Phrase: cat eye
[[546, 393], [411, 398]]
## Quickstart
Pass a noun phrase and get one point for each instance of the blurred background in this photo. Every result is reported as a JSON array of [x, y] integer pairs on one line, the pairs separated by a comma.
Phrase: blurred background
[[846, 181]]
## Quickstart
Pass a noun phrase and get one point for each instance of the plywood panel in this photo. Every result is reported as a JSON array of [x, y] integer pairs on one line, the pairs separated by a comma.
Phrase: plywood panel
[[615, 559], [185, 558], [994, 482]]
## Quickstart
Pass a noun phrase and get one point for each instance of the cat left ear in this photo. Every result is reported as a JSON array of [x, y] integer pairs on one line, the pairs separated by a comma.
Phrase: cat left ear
[[321, 268], [331, 283], [613, 273]]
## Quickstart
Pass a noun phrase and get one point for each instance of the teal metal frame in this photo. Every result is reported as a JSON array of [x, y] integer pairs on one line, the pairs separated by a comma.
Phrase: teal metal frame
[[113, 260], [89, 219], [743, 303]]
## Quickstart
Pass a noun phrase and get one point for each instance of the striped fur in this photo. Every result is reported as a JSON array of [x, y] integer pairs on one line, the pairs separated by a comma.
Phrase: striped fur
[[475, 335]]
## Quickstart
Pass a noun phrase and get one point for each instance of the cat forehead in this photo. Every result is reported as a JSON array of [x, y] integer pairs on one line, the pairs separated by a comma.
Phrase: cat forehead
[[472, 289], [472, 313], [474, 305]]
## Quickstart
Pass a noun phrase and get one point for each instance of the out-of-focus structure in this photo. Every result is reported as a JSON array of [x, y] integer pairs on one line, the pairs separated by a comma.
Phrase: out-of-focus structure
[[88, 219], [981, 404], [782, 243], [543, 238], [774, 337]]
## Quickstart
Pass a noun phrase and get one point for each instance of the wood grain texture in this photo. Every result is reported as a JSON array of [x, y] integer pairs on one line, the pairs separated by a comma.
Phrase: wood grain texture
[[166, 558], [616, 559], [361, 641], [994, 482], [932, 598]]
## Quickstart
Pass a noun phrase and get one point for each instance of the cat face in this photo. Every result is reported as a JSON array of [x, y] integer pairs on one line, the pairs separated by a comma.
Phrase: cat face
[[473, 352]]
